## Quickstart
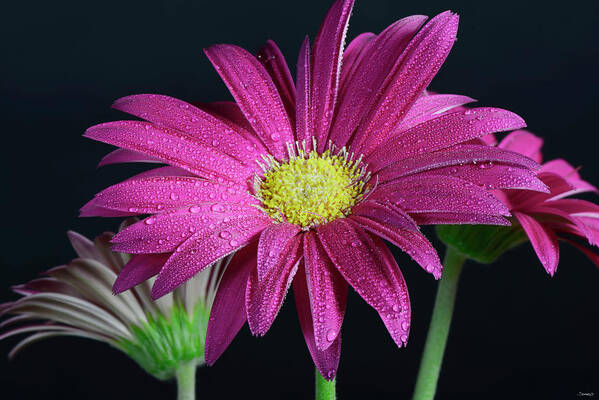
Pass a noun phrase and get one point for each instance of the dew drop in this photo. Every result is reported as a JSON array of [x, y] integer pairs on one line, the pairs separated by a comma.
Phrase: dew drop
[[217, 208], [331, 334], [150, 221], [485, 165], [225, 234]]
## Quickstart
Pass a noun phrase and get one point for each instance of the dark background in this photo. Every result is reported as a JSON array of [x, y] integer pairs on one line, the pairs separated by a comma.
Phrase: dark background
[[517, 333]]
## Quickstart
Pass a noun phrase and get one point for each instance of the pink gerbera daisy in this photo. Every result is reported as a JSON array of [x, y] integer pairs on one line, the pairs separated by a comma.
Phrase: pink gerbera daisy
[[538, 217], [547, 217], [301, 181]]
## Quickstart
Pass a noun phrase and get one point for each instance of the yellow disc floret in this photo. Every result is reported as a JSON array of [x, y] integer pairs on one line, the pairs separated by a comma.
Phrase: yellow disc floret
[[310, 188]]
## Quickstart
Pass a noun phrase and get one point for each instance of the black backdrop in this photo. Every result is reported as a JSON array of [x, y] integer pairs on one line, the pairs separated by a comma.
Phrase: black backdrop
[[516, 334]]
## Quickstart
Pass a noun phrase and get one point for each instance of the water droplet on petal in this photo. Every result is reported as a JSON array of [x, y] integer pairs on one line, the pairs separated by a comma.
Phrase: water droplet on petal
[[331, 334], [150, 221], [225, 234], [217, 208]]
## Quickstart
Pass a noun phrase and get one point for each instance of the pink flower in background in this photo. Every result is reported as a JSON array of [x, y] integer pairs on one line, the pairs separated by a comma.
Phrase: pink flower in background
[[302, 180], [547, 217]]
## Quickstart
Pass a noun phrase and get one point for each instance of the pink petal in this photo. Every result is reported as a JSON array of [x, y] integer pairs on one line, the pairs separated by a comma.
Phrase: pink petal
[[523, 142], [326, 361], [489, 140], [558, 188], [255, 93], [413, 243], [303, 105], [157, 194], [430, 106], [570, 174], [451, 218], [271, 57], [577, 225], [178, 115], [204, 248], [162, 171], [352, 55], [140, 268], [328, 292], [452, 157], [576, 206], [170, 146], [408, 78], [228, 315], [543, 240], [326, 67], [91, 210], [376, 61], [126, 156], [384, 211], [560, 167], [419, 193], [369, 267], [230, 113], [265, 296], [494, 176], [442, 132], [273, 241], [164, 232]]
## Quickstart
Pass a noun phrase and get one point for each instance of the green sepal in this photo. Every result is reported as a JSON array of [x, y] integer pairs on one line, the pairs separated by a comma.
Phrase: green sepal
[[162, 344], [482, 243]]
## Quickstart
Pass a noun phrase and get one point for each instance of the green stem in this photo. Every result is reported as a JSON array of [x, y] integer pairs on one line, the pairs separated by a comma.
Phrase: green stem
[[325, 390], [186, 381], [430, 366]]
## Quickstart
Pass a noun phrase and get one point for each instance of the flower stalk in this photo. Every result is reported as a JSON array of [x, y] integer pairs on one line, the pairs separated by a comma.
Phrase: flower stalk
[[325, 390], [186, 381], [434, 348]]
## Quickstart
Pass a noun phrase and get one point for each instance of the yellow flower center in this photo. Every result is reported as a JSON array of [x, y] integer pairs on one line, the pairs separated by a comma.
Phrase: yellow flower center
[[310, 188]]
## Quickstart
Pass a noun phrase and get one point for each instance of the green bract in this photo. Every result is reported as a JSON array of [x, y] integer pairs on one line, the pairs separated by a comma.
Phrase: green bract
[[163, 343], [482, 243]]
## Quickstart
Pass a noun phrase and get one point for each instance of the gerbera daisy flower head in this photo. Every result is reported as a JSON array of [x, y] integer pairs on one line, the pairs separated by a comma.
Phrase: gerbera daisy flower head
[[302, 180], [76, 300], [539, 218]]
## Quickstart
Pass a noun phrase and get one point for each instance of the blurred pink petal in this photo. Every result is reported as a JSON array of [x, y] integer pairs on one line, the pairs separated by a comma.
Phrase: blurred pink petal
[[228, 313]]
